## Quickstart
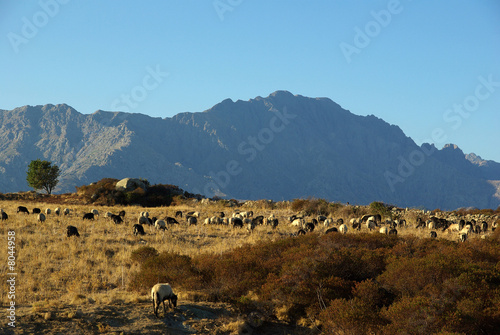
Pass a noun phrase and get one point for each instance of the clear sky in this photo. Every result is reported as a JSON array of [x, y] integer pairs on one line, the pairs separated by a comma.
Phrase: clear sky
[[430, 67]]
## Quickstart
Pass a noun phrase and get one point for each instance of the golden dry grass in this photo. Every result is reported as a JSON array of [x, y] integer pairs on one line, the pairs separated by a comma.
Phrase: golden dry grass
[[95, 268]]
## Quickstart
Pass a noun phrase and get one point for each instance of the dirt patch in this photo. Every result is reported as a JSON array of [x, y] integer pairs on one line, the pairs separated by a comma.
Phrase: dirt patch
[[138, 318]]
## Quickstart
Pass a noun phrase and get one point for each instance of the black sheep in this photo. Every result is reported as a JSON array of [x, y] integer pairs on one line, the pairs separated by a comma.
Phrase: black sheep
[[138, 230], [72, 231]]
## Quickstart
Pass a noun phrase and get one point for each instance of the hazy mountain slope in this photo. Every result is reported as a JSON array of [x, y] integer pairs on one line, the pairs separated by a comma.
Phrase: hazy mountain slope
[[279, 147]]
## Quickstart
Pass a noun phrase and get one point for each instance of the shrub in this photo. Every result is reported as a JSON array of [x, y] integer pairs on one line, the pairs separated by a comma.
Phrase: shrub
[[313, 206], [377, 207]]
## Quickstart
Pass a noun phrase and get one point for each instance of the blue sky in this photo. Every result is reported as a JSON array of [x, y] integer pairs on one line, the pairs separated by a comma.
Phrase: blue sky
[[430, 67]]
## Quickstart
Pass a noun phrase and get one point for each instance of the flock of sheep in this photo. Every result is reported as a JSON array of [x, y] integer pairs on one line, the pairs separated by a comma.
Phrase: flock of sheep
[[300, 224]]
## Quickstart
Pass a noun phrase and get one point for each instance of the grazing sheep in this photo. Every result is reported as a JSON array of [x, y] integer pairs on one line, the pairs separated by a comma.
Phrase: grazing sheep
[[370, 224], [431, 225], [384, 230], [393, 231], [327, 222], [467, 229], [66, 211], [143, 220], [250, 226], [420, 223], [331, 230], [356, 224], [145, 214], [40, 217], [94, 211], [22, 209], [171, 220], [299, 222], [309, 227], [58, 211], [300, 232], [116, 218], [259, 220], [274, 223], [484, 226], [36, 211], [433, 234], [4, 216], [237, 223], [160, 224], [138, 230], [401, 223], [122, 213], [178, 214], [72, 231], [462, 237], [160, 293], [321, 218], [88, 216], [343, 228], [48, 211], [192, 220]]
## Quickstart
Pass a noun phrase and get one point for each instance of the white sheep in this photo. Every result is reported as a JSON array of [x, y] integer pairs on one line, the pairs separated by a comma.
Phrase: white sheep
[[343, 228], [41, 217], [328, 222], [47, 211], [299, 223], [57, 211], [431, 225], [370, 224], [160, 224], [145, 214], [142, 220], [160, 293], [66, 211], [384, 230], [453, 227]]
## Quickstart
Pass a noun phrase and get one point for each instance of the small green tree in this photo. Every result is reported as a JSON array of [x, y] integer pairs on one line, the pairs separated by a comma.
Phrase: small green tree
[[42, 175]]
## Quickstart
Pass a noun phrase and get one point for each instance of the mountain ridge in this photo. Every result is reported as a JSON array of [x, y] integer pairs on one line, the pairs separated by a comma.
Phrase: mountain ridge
[[283, 146]]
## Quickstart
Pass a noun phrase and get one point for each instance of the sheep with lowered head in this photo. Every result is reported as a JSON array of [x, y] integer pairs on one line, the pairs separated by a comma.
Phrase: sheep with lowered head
[[160, 293]]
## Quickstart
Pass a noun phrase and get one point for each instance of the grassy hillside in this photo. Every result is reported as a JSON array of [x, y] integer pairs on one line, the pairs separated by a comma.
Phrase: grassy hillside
[[359, 283]]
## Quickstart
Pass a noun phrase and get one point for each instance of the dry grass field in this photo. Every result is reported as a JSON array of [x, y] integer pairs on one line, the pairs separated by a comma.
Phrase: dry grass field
[[79, 285]]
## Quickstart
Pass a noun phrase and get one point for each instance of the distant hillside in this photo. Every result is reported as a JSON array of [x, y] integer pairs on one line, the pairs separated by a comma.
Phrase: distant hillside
[[280, 147]]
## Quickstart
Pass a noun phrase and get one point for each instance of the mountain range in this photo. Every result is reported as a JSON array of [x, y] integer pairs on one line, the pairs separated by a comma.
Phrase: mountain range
[[280, 147]]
